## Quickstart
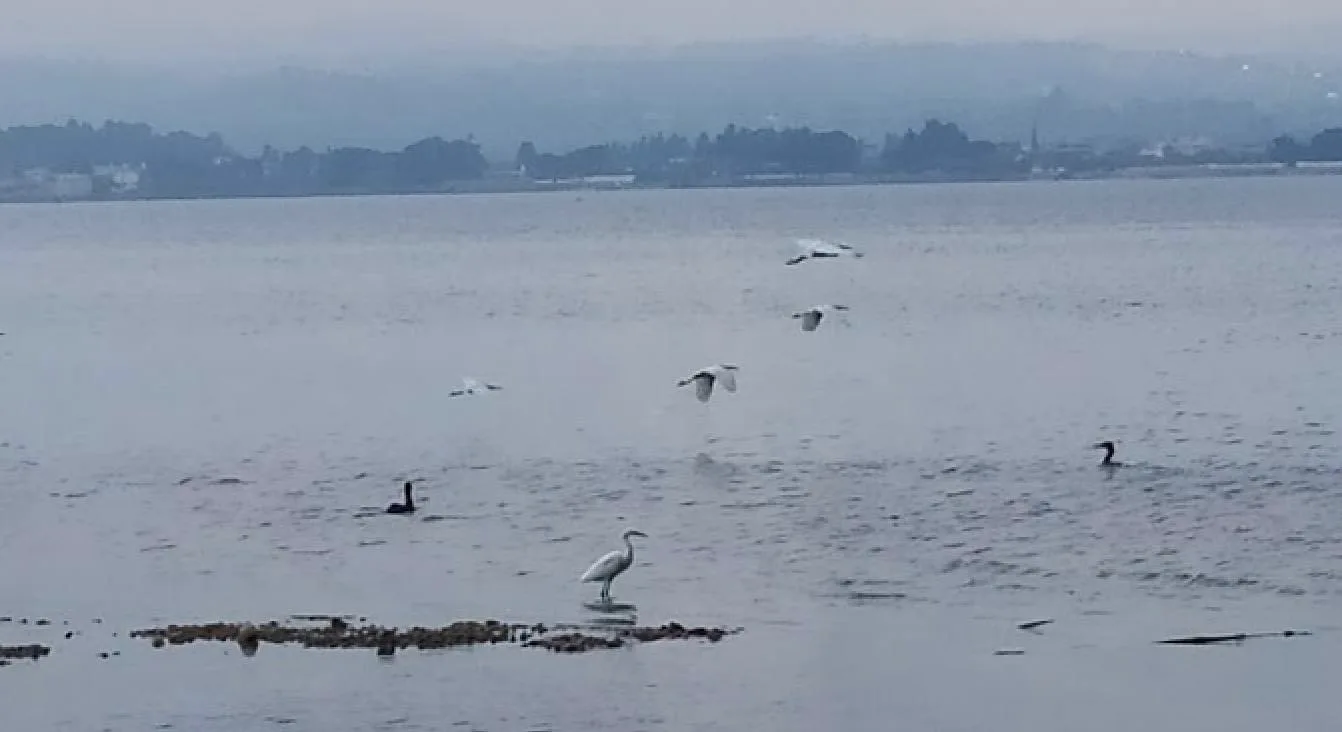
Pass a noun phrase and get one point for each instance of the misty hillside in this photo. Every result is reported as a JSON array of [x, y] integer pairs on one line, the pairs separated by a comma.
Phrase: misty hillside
[[1077, 92]]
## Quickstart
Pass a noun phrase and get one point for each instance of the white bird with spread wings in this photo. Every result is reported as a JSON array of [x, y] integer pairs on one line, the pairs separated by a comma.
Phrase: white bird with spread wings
[[704, 379], [821, 249], [810, 319], [473, 386]]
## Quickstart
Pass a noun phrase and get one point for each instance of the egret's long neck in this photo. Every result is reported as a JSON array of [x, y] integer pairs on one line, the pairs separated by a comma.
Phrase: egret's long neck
[[628, 551], [408, 500]]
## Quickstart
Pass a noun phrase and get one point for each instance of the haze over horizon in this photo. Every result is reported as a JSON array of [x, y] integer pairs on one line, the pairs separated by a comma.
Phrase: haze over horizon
[[292, 72], [250, 34]]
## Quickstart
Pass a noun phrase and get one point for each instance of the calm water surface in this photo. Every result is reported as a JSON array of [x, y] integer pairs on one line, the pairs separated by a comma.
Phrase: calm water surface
[[199, 402]]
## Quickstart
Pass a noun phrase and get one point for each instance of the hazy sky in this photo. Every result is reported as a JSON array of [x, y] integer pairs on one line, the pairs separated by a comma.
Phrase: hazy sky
[[326, 29]]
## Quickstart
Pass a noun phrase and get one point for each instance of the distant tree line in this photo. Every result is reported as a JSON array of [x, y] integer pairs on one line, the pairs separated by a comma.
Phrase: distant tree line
[[425, 165], [183, 164], [734, 151], [179, 163], [944, 147], [738, 151], [77, 147], [1325, 146]]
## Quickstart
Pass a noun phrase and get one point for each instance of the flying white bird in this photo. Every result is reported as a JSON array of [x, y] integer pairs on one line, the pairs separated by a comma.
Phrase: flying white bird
[[704, 379], [608, 567], [473, 386], [810, 319], [819, 249]]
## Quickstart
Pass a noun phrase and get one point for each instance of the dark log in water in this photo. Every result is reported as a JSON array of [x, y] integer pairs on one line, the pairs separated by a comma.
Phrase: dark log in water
[[1202, 640], [32, 651]]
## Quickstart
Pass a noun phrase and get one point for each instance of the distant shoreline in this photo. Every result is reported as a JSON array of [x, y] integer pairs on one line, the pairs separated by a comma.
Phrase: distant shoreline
[[511, 184]]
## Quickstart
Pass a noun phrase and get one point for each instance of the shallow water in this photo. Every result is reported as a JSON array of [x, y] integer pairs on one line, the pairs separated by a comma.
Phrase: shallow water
[[204, 402]]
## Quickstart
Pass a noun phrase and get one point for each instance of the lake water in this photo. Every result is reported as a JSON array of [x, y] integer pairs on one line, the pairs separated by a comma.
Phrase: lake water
[[878, 506]]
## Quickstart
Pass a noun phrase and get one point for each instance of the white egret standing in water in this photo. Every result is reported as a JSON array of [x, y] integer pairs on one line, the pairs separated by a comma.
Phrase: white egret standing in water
[[704, 379], [810, 319], [608, 567], [473, 386], [820, 249]]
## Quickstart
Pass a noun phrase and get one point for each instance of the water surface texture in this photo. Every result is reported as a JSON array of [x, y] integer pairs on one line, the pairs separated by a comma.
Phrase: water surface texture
[[205, 405]]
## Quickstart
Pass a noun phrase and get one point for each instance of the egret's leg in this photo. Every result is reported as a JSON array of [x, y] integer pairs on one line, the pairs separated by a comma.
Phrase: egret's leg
[[605, 590]]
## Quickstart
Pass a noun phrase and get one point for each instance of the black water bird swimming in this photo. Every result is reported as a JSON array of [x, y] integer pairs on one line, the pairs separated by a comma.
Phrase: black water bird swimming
[[408, 506], [1108, 448]]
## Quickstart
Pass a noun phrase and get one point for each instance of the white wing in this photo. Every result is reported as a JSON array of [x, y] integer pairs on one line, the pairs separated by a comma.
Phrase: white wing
[[703, 387], [810, 320], [475, 386], [819, 246], [831, 248], [728, 378], [604, 567], [835, 248]]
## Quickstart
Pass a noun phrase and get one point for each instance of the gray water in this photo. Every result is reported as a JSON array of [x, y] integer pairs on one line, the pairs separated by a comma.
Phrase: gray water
[[201, 401]]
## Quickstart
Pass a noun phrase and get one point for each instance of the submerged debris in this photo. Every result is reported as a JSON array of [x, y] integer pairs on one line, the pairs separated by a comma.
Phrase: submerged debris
[[1032, 624], [388, 640], [574, 642], [249, 640], [386, 643], [673, 630], [32, 651], [1202, 640]]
